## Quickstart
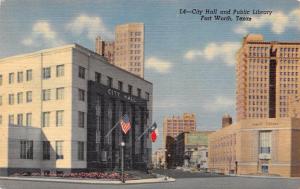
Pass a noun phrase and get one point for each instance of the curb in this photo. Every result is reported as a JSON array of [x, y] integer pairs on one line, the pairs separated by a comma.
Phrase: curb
[[267, 177], [81, 181]]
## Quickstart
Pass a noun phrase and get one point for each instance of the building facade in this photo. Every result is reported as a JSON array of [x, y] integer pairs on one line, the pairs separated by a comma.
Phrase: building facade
[[57, 106], [267, 75], [127, 51], [159, 158], [191, 149], [257, 146]]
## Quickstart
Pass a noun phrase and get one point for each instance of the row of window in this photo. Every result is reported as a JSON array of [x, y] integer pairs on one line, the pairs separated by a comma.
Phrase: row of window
[[60, 71], [27, 149], [11, 98], [20, 77], [20, 119]]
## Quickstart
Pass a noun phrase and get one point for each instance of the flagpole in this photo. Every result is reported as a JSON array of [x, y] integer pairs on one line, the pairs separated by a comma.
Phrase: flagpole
[[112, 129], [147, 129]]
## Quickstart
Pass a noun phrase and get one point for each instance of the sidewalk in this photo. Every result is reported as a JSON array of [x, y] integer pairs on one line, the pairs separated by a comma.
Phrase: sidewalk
[[90, 181]]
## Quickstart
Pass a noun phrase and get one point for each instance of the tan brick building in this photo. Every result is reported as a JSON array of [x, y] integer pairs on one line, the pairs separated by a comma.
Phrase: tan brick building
[[257, 146], [267, 75], [127, 51]]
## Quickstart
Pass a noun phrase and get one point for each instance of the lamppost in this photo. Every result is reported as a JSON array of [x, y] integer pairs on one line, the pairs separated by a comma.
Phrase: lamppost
[[122, 161]]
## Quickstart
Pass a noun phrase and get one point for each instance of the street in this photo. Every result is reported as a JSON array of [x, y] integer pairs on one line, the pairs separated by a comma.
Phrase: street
[[181, 183]]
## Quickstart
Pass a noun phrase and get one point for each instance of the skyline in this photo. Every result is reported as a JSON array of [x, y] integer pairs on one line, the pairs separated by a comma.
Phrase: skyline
[[179, 49]]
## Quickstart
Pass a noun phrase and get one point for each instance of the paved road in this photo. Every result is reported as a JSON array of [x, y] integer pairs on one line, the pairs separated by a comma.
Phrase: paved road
[[175, 173], [184, 183]]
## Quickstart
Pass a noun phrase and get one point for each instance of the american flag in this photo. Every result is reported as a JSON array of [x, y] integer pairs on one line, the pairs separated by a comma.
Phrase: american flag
[[125, 124]]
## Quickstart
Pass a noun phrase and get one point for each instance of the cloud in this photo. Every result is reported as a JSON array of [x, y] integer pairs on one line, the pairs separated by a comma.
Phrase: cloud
[[89, 25], [220, 103], [278, 21], [42, 34], [224, 51], [158, 65], [1, 1]]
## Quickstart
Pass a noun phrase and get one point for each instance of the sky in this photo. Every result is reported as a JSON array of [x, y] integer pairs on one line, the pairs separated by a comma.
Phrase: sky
[[190, 62]]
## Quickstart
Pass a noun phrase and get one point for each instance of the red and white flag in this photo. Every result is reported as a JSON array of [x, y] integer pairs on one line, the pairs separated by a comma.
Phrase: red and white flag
[[125, 124], [154, 135]]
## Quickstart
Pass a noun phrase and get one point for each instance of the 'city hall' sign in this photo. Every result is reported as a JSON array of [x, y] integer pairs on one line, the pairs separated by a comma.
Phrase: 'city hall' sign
[[115, 93]]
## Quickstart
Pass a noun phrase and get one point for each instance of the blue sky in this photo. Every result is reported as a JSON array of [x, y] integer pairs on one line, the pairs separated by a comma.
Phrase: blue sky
[[190, 62]]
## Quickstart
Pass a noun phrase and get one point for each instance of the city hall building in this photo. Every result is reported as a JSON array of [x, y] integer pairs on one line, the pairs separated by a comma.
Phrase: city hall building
[[57, 107]]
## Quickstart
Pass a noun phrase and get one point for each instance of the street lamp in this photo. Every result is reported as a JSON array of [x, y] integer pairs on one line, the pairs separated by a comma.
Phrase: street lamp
[[122, 161]]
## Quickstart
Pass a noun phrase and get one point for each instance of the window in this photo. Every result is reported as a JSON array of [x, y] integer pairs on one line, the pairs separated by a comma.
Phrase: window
[[46, 94], [0, 119], [81, 119], [59, 149], [20, 77], [265, 142], [81, 151], [98, 77], [139, 91], [29, 119], [26, 151], [60, 93], [59, 118], [11, 119], [20, 119], [47, 73], [147, 96], [20, 98], [11, 99], [29, 96], [109, 82], [45, 119], [120, 85], [11, 78], [1, 80], [46, 150], [28, 75], [81, 72], [129, 89], [81, 94], [60, 70], [1, 101]]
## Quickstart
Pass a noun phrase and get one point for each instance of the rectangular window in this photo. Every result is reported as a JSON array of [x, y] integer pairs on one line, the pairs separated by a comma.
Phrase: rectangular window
[[1, 80], [59, 150], [46, 94], [46, 150], [98, 77], [1, 101], [81, 151], [81, 94], [59, 118], [60, 70], [265, 142], [28, 75], [29, 119], [20, 77], [20, 119], [11, 78], [81, 119], [60, 93], [45, 119], [29, 96], [81, 72], [20, 98], [47, 73], [11, 119], [147, 96], [11, 99], [120, 85], [139, 91], [109, 82], [0, 119], [26, 151]]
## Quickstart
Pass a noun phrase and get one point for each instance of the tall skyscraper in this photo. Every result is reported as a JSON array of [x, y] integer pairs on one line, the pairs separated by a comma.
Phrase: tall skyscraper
[[267, 77], [127, 51], [175, 125]]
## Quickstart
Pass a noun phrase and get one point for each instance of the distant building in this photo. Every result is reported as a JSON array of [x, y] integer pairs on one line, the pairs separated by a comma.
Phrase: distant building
[[257, 146], [191, 149], [175, 125], [159, 158], [226, 120], [127, 51], [267, 76]]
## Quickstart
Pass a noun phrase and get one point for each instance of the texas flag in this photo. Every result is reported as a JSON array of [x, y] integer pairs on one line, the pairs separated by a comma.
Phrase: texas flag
[[154, 132]]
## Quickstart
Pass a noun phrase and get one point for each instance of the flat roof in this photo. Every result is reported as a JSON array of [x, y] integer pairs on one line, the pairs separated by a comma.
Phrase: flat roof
[[75, 46]]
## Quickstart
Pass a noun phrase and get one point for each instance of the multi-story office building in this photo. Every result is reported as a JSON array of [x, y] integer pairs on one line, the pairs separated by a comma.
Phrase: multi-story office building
[[57, 106], [257, 146], [267, 76], [175, 125], [127, 51]]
